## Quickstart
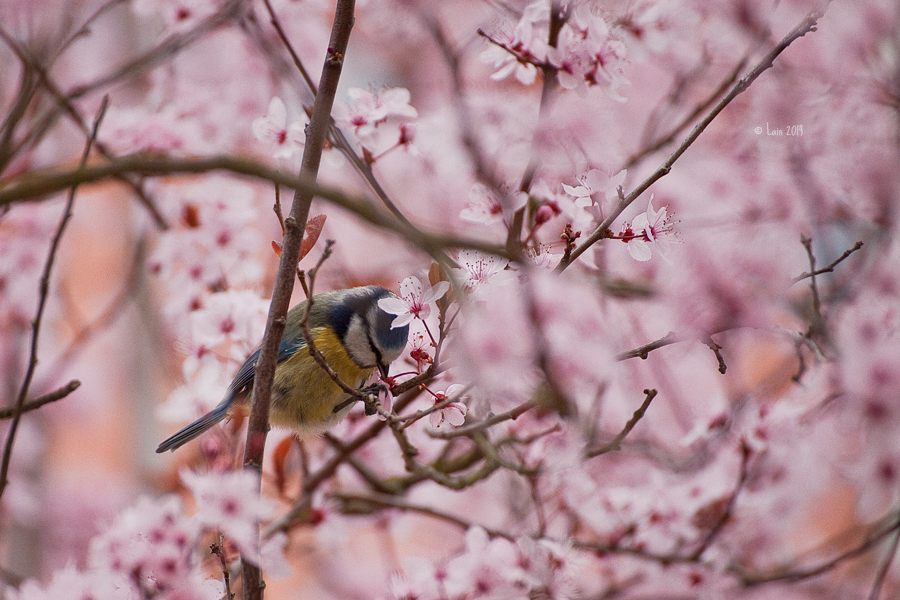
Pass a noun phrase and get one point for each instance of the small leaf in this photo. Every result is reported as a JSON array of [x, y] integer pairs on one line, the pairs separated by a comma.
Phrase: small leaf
[[279, 458], [277, 248], [314, 227]]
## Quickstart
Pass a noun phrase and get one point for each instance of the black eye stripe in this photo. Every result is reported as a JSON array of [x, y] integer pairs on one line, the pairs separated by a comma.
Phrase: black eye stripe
[[375, 350]]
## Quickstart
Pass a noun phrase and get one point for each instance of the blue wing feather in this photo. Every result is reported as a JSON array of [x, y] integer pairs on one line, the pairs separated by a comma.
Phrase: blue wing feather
[[242, 379]]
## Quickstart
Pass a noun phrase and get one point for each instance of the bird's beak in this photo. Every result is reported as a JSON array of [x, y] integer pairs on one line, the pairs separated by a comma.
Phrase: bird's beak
[[384, 370]]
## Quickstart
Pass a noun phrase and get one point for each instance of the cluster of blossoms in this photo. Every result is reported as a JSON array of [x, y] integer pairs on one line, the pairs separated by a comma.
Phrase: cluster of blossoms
[[588, 52], [381, 120], [493, 568], [530, 441], [152, 549]]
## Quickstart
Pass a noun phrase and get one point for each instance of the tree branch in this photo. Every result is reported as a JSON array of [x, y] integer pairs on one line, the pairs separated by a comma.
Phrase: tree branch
[[58, 394], [36, 184], [295, 225], [616, 442]]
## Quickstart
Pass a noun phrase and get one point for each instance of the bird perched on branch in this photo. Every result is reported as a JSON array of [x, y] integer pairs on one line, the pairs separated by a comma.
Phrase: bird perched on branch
[[353, 335]]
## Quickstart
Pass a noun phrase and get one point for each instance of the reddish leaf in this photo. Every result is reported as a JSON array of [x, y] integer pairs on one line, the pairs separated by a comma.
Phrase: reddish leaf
[[276, 246], [279, 457], [311, 235]]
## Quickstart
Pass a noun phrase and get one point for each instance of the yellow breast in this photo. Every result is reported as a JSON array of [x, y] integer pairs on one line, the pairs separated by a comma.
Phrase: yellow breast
[[304, 396]]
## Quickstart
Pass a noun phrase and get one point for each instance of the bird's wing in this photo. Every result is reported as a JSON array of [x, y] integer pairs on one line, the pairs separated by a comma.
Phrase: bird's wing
[[243, 378]]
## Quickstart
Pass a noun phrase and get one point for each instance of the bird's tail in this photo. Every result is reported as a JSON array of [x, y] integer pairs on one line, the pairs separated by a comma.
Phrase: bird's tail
[[197, 427]]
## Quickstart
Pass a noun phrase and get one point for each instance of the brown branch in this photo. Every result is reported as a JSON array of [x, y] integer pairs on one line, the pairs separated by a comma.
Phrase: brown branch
[[42, 303], [58, 394], [218, 550], [616, 442], [728, 511], [806, 26], [37, 184], [387, 501], [829, 268], [873, 539], [663, 141], [716, 350], [295, 225], [643, 351]]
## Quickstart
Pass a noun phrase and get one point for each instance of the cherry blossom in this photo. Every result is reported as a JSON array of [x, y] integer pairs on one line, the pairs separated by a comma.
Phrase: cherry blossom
[[285, 140], [453, 414], [652, 228], [524, 48], [379, 119], [229, 502], [588, 54], [415, 301], [595, 182], [178, 15], [483, 207], [481, 270]]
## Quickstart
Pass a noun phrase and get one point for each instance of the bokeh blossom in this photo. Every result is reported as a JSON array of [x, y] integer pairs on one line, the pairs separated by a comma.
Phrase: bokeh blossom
[[285, 140]]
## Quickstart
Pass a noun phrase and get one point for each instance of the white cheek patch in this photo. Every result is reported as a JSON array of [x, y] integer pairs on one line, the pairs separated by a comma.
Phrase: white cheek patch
[[357, 342]]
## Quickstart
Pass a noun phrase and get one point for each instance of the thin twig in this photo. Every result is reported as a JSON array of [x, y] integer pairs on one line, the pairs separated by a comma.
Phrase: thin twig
[[717, 351], [728, 511], [388, 501], [219, 550], [58, 394], [42, 303], [276, 23], [829, 268], [885, 566], [643, 351], [616, 442], [667, 139], [870, 541]]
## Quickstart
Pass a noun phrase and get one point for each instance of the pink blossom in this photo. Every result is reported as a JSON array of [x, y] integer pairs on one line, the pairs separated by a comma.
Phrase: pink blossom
[[152, 545], [595, 182], [206, 381], [178, 15], [272, 559], [653, 228], [420, 351], [481, 270], [69, 583], [230, 502], [525, 48], [588, 54], [285, 140], [415, 301], [236, 316], [483, 207], [453, 414], [379, 119]]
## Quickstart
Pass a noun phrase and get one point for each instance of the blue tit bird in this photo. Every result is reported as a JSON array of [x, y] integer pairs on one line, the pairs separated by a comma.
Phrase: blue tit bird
[[354, 336]]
